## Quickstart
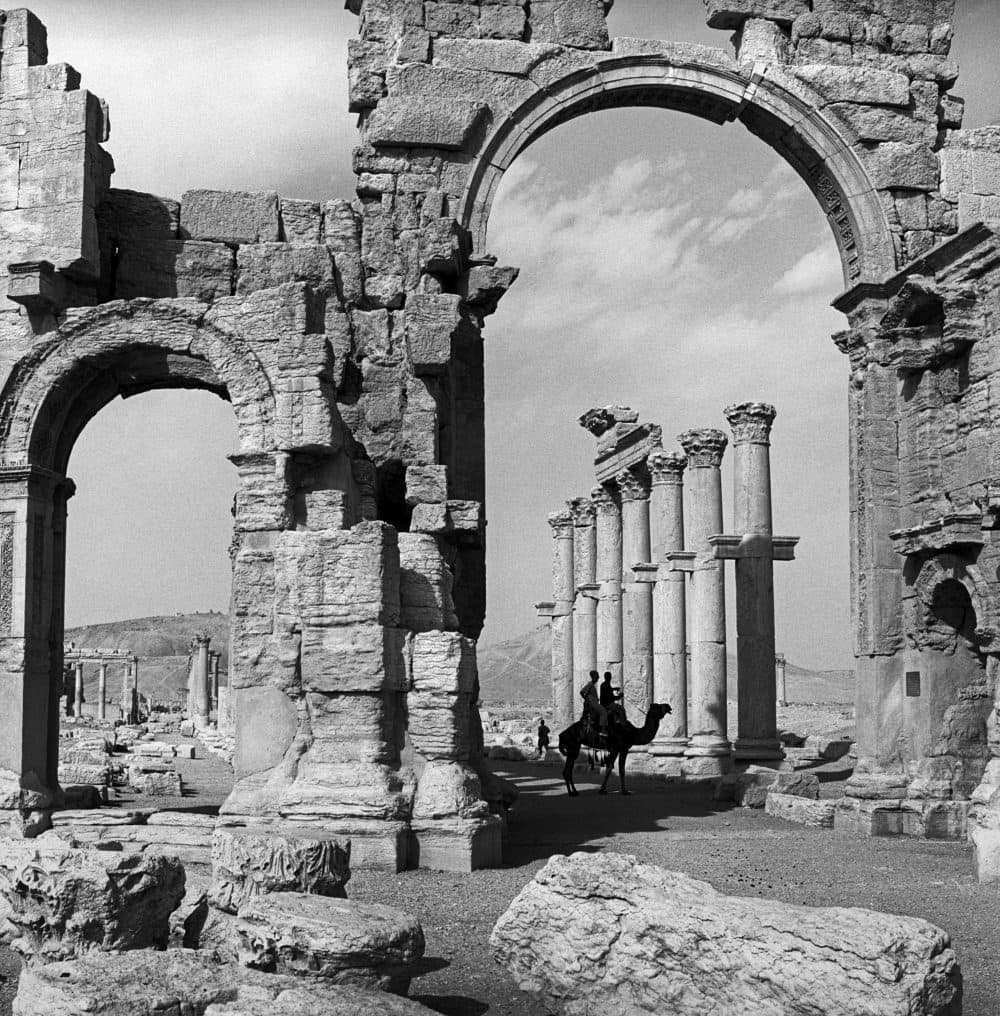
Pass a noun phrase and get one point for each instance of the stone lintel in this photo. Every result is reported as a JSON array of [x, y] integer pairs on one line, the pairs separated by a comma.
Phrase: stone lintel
[[681, 560], [732, 548], [647, 573], [629, 451], [958, 529], [36, 285]]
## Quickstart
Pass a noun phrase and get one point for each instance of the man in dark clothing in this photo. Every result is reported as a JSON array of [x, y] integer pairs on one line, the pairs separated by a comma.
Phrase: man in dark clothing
[[592, 702], [609, 695], [543, 737]]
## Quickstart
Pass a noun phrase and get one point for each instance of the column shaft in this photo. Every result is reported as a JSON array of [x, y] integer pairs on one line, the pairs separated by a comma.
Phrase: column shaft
[[79, 689], [637, 597], [585, 603], [102, 692], [202, 689], [609, 578], [779, 666], [757, 725], [666, 521], [709, 719], [563, 591]]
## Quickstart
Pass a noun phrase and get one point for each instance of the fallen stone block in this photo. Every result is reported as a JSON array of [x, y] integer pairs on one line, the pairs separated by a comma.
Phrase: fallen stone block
[[137, 983], [656, 941], [84, 774], [69, 818], [339, 940], [84, 796], [156, 749], [799, 809], [153, 783], [64, 901], [316, 1000], [753, 786], [247, 863]]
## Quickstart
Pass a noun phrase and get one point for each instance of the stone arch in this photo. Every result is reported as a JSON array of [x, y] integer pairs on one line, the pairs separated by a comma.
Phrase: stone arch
[[943, 568], [779, 109], [125, 348]]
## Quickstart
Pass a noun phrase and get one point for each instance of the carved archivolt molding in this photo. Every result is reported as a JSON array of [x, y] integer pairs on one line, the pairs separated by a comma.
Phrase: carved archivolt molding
[[918, 608]]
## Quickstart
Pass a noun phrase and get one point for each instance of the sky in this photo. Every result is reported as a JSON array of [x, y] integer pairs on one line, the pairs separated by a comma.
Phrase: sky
[[667, 264]]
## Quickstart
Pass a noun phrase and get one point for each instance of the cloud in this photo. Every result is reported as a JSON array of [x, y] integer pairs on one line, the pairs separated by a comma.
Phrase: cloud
[[820, 269]]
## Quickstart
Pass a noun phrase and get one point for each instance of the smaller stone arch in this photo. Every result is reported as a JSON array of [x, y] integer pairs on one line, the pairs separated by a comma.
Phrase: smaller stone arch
[[124, 348]]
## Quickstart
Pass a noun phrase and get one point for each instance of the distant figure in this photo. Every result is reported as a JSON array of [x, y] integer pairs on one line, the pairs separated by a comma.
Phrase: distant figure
[[543, 738], [592, 703], [609, 694]]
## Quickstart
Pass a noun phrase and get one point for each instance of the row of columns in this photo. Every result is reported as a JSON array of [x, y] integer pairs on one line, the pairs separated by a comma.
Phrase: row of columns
[[129, 700], [624, 578]]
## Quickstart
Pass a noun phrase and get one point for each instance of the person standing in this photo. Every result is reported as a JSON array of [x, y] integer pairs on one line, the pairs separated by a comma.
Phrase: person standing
[[543, 738]]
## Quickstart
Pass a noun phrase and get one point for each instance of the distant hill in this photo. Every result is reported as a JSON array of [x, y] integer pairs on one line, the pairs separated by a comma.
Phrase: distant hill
[[519, 671], [162, 645]]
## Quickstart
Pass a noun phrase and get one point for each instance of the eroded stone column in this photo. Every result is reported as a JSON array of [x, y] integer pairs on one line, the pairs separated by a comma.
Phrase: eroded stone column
[[756, 698], [779, 675], [201, 691], [216, 658], [666, 522], [79, 688], [102, 692], [609, 579], [563, 592], [585, 604], [637, 595], [709, 749]]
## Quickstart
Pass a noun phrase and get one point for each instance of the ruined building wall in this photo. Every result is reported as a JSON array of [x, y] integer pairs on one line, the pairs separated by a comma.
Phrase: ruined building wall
[[348, 338]]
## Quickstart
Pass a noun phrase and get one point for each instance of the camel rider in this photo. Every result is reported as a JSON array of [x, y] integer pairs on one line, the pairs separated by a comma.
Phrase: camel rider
[[592, 702], [610, 695]]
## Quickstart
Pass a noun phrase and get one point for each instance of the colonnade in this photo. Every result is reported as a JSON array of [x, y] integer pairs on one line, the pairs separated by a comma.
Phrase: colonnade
[[74, 660], [639, 585]]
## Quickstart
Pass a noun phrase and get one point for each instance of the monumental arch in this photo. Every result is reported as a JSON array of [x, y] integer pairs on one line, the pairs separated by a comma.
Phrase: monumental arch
[[348, 338]]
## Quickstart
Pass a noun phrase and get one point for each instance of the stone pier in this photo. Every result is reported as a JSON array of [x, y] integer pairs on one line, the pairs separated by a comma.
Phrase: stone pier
[[754, 548], [130, 692], [585, 604], [666, 521], [709, 751], [609, 579], [563, 594], [637, 592]]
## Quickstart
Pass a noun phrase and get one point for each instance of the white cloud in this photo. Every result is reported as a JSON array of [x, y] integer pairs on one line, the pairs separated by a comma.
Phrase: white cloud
[[820, 269]]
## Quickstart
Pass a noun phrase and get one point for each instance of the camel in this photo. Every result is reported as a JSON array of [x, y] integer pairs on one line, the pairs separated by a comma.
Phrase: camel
[[622, 736]]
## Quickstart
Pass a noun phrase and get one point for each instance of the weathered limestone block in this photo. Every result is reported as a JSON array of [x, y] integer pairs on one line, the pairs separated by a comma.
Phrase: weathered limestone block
[[451, 18], [301, 221], [902, 166], [265, 265], [159, 782], [84, 774], [803, 810], [233, 217], [365, 73], [444, 676], [733, 13], [142, 982], [355, 658], [448, 789], [64, 902], [855, 84], [425, 585], [341, 227], [424, 122], [339, 940], [247, 863], [432, 319], [457, 844], [755, 784], [657, 941], [316, 1000], [577, 23], [502, 21], [426, 484]]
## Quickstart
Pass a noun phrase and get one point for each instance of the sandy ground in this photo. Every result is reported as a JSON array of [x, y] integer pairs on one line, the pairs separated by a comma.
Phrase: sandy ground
[[740, 852]]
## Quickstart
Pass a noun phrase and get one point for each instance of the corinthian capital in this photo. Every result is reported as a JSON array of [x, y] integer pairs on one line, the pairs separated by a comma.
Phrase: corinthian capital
[[561, 523], [604, 501], [751, 422], [703, 447], [633, 486], [666, 467], [583, 511]]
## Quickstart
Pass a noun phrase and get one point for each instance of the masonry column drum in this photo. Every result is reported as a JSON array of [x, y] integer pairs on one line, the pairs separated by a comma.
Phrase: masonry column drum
[[708, 752], [609, 576], [585, 605], [637, 593], [666, 524], [102, 692], [563, 590]]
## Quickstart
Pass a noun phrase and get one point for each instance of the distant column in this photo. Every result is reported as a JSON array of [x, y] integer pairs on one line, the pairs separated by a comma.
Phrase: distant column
[[102, 692], [609, 578], [134, 703], [779, 668], [69, 686], [709, 747], [201, 702], [756, 699], [637, 595], [563, 705], [79, 689], [666, 522], [216, 658], [585, 604]]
